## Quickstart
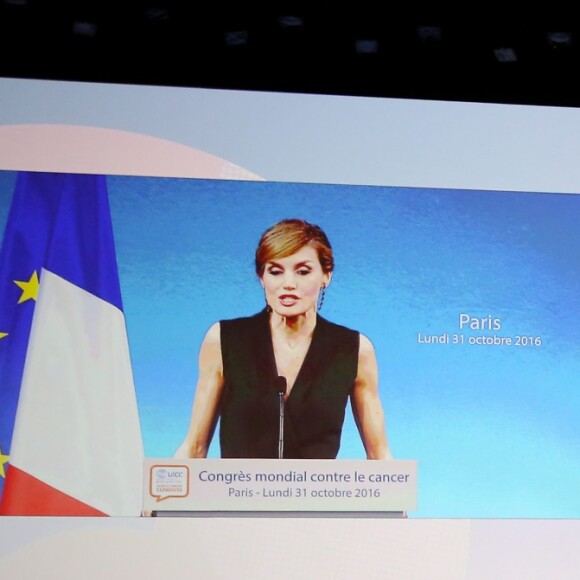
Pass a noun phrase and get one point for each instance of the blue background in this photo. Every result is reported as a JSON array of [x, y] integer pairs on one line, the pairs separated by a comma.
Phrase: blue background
[[495, 429]]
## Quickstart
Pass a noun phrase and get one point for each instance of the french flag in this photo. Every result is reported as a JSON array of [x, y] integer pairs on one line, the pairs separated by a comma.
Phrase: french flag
[[75, 446]]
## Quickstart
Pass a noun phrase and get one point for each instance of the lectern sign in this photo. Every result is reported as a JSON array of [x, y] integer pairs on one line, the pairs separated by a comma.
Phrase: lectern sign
[[287, 485]]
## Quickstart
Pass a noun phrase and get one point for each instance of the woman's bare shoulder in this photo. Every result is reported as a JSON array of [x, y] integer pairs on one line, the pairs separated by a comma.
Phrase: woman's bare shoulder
[[366, 348], [367, 377], [212, 336], [210, 355]]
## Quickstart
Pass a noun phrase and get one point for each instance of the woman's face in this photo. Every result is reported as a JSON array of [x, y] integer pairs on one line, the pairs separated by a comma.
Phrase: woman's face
[[292, 284]]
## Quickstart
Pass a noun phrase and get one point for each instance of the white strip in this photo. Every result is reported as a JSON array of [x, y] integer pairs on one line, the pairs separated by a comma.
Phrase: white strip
[[304, 138], [77, 426], [256, 548]]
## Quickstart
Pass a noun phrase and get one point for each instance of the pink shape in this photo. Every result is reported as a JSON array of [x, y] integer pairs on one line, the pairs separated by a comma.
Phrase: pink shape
[[78, 149]]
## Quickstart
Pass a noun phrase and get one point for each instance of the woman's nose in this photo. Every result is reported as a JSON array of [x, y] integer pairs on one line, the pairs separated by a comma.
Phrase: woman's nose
[[289, 281]]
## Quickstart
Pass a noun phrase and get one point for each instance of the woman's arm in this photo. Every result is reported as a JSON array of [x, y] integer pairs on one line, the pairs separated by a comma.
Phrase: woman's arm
[[207, 397], [366, 404]]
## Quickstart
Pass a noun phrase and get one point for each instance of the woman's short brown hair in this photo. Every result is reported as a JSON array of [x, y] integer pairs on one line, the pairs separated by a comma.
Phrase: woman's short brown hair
[[287, 237]]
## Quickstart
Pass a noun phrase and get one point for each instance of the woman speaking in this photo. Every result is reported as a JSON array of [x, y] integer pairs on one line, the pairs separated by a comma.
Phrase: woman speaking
[[286, 361]]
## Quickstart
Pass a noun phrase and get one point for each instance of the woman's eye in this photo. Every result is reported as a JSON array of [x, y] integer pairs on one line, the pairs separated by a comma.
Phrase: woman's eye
[[274, 272], [304, 272]]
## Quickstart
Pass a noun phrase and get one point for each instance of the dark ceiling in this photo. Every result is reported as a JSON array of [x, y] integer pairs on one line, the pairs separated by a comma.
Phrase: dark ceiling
[[369, 48]]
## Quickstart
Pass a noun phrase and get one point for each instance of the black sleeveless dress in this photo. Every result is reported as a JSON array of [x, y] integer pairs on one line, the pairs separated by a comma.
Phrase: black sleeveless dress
[[315, 407]]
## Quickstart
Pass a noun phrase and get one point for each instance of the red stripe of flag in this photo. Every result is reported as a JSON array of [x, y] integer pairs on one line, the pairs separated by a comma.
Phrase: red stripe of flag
[[25, 495]]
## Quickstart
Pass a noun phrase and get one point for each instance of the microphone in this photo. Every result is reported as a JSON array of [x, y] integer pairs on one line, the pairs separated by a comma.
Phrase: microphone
[[282, 387]]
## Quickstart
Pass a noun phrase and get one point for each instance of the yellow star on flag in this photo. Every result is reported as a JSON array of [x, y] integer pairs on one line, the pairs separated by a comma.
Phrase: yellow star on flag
[[29, 288], [3, 461], [3, 334]]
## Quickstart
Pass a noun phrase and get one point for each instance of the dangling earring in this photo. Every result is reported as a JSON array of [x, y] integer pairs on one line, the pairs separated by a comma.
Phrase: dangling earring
[[268, 307], [321, 296]]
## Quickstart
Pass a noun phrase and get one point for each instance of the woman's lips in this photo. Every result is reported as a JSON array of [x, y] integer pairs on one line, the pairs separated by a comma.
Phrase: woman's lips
[[288, 299]]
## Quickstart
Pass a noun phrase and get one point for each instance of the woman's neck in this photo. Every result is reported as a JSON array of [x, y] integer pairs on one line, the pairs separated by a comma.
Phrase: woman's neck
[[294, 326]]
